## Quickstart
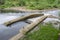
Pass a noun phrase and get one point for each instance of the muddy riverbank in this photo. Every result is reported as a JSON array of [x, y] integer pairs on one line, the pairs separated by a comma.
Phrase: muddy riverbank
[[24, 10]]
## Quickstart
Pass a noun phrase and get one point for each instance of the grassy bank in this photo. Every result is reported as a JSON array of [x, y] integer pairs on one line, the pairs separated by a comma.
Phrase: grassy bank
[[46, 32], [31, 4]]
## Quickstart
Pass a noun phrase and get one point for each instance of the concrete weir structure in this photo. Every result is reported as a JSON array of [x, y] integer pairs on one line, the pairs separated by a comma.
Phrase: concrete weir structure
[[14, 31], [22, 18], [29, 27]]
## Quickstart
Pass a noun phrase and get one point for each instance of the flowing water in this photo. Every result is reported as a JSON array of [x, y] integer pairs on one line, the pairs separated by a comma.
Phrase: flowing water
[[7, 32]]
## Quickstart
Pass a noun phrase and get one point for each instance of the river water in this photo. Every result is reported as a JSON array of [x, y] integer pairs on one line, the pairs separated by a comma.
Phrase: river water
[[7, 32]]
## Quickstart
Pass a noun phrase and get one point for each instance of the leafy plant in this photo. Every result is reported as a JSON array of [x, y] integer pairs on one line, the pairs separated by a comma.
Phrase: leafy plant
[[45, 32], [32, 4]]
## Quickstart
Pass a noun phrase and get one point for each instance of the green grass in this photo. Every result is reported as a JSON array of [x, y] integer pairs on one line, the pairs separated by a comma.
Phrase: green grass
[[32, 4], [46, 32]]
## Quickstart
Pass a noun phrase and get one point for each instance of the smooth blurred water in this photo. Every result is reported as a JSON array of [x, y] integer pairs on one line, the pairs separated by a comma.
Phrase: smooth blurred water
[[7, 32]]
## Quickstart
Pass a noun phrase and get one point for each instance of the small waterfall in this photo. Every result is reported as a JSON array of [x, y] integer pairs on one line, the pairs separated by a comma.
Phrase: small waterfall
[[8, 32]]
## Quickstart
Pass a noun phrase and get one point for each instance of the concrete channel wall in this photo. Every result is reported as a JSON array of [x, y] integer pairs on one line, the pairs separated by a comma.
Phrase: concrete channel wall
[[29, 27]]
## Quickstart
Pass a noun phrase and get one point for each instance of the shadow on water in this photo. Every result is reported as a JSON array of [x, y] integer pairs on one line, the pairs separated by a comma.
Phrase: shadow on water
[[12, 30], [8, 32], [7, 11]]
